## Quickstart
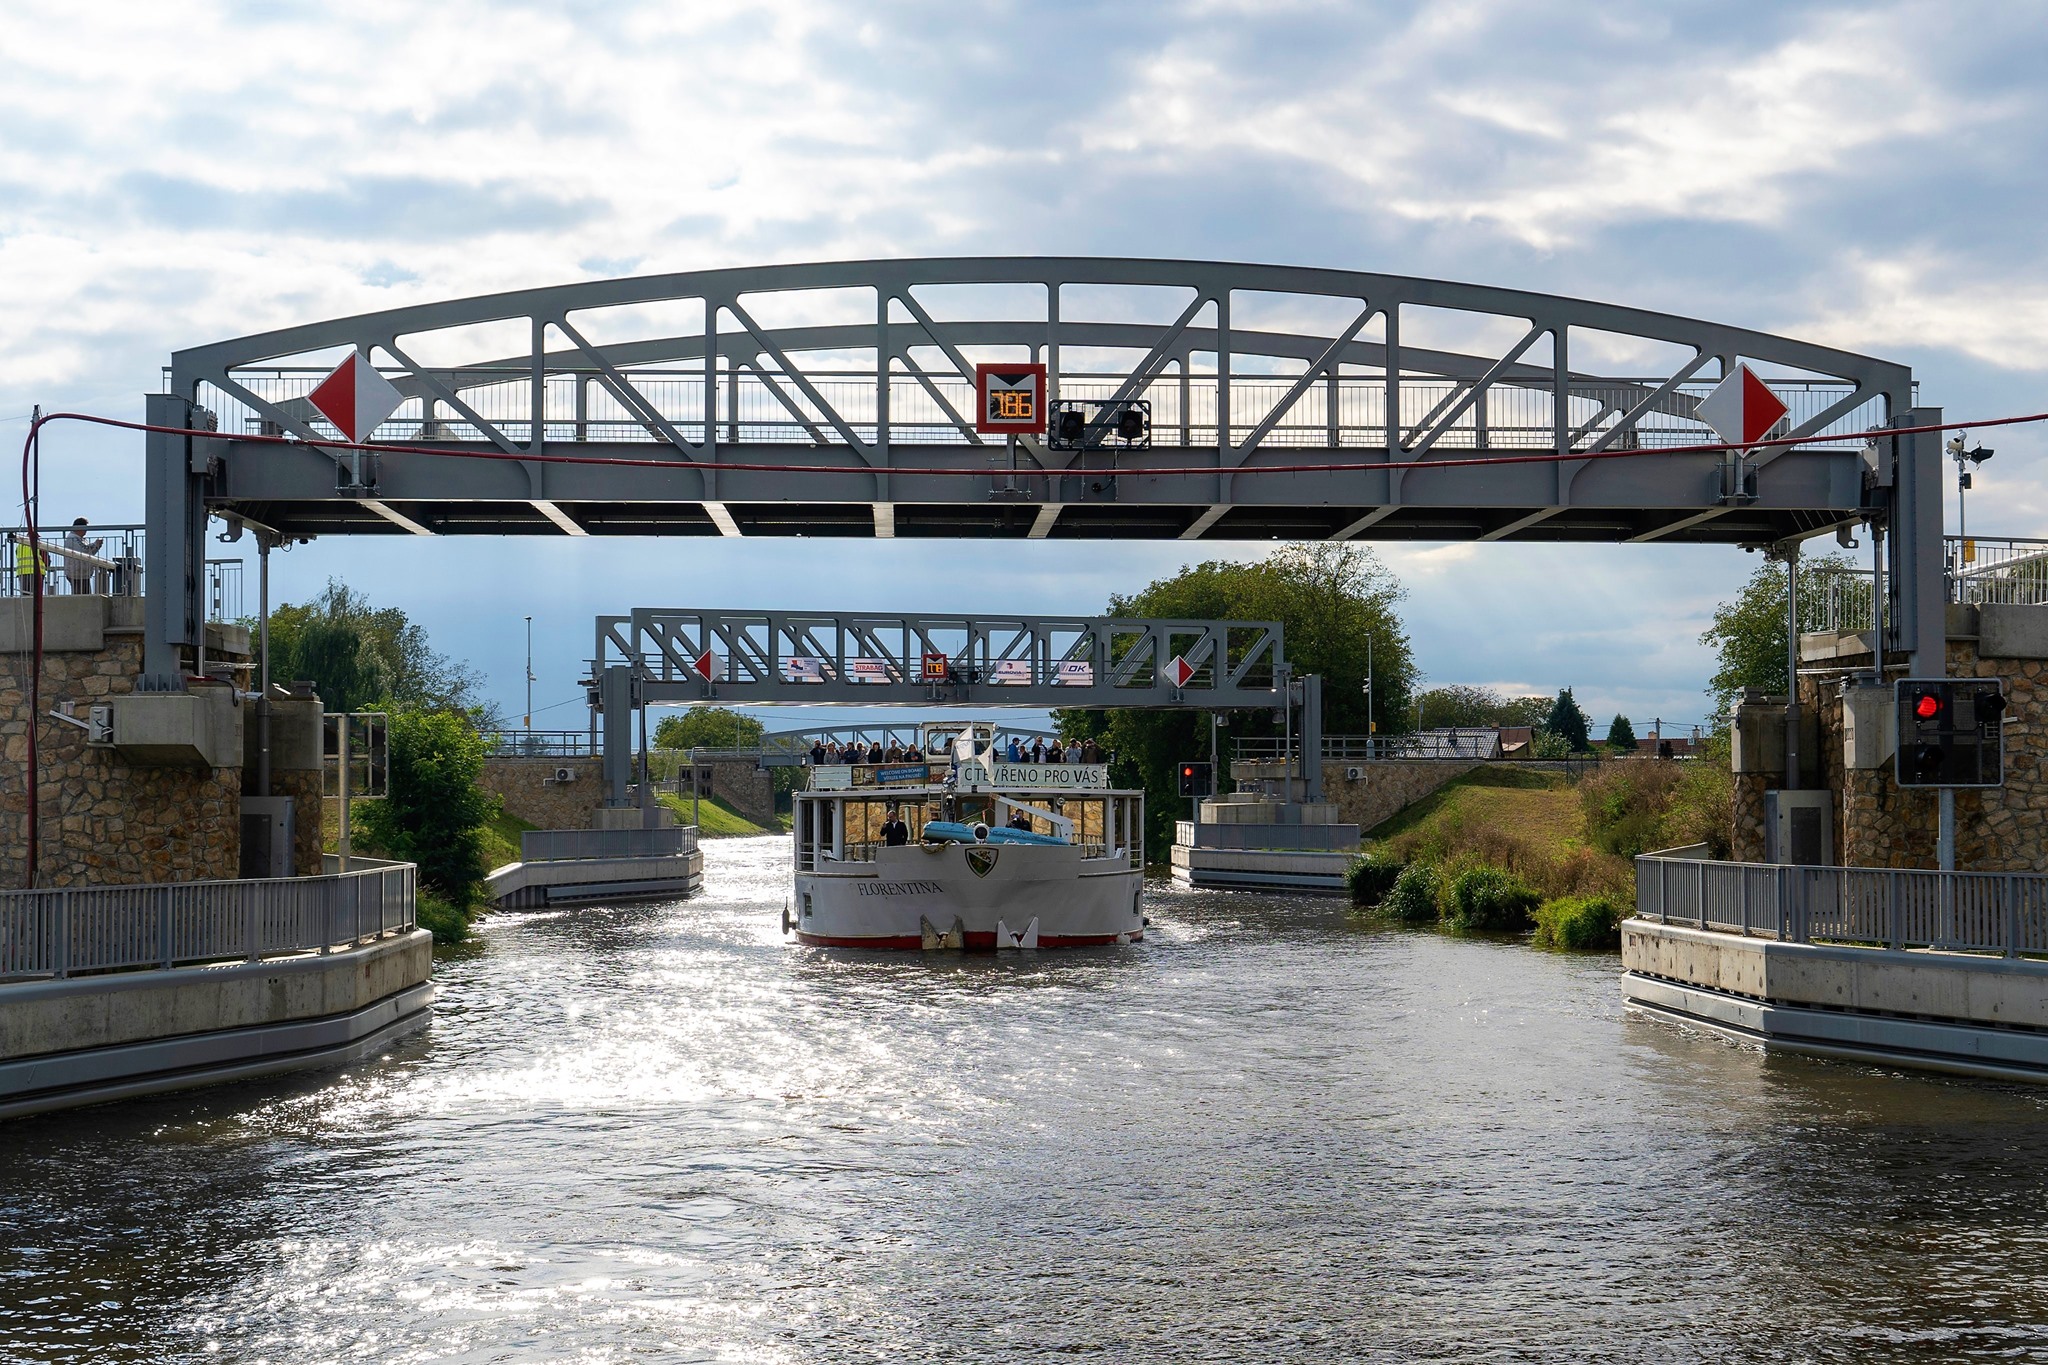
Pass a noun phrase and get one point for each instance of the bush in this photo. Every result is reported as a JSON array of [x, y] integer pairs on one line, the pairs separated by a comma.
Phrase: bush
[[1412, 898], [1581, 922], [1638, 805], [1488, 898], [1372, 876], [437, 813], [447, 923]]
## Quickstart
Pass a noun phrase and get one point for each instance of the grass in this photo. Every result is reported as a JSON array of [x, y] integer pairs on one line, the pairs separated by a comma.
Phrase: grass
[[1531, 824], [715, 819], [501, 839]]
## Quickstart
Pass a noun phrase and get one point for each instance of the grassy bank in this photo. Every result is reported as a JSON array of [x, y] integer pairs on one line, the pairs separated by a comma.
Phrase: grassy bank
[[715, 819], [1531, 824]]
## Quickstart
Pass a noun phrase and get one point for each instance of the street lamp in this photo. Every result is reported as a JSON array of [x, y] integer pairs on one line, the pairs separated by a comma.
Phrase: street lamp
[[529, 673], [1966, 460]]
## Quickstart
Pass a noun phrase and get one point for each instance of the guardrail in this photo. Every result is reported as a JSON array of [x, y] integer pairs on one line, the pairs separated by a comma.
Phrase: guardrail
[[541, 744], [113, 570], [68, 931], [1366, 748], [1982, 912], [2002, 570], [568, 845]]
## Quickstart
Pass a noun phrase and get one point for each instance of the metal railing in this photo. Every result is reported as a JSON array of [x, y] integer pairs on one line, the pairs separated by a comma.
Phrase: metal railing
[[568, 845], [1979, 912], [68, 931], [2001, 570], [1366, 748], [541, 744], [113, 570]]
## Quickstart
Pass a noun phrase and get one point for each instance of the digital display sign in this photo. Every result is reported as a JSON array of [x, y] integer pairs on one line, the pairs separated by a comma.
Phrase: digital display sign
[[1009, 399]]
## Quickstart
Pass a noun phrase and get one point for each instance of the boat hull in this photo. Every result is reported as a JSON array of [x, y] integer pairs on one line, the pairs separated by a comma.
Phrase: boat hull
[[972, 896]]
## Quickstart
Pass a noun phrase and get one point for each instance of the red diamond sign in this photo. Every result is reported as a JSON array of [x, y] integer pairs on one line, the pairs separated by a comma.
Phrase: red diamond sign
[[355, 398], [1180, 670], [705, 664], [1742, 408]]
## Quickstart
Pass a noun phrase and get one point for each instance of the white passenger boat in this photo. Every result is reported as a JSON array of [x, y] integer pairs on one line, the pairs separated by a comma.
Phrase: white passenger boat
[[996, 854]]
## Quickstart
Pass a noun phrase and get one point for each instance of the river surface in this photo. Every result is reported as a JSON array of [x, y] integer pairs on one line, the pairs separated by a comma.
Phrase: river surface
[[1267, 1134]]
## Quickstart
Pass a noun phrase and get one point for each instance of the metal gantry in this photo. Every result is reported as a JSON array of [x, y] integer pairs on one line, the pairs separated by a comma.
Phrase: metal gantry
[[834, 399], [674, 655]]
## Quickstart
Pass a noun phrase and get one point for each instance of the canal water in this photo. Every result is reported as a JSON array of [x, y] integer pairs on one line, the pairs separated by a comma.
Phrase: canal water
[[1267, 1134]]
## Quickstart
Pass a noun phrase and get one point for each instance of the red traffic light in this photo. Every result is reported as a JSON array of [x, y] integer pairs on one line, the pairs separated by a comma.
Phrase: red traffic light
[[1928, 707]]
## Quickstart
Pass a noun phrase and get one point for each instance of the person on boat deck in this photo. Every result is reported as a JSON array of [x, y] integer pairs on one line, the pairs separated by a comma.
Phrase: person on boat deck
[[1053, 753], [817, 753], [1016, 754], [1038, 751], [1020, 820], [895, 753], [894, 832]]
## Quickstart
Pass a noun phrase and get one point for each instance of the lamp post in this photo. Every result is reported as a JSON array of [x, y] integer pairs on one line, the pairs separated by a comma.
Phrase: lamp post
[[529, 674], [1371, 731], [1966, 461]]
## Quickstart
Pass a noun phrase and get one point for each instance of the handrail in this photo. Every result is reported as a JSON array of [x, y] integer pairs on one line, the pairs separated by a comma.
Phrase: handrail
[[62, 932], [1981, 912], [569, 845]]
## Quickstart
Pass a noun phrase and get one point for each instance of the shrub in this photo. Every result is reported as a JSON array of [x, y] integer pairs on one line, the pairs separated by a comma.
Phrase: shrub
[[447, 923], [1372, 876], [1581, 922], [1488, 898], [437, 814], [1412, 899]]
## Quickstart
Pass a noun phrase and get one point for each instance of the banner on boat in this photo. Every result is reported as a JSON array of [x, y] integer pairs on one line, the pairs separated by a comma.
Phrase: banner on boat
[[1075, 775]]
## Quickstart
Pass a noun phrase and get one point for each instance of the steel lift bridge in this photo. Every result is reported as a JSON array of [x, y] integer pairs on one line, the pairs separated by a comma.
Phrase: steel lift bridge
[[833, 399], [673, 655]]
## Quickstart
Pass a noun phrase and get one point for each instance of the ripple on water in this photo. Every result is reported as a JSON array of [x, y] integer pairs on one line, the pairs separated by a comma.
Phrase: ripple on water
[[1266, 1133]]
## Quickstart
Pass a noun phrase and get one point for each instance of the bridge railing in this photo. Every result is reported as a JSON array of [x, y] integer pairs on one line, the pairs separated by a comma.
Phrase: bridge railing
[[1368, 748], [563, 845], [68, 931], [1982, 912], [540, 744], [114, 570], [1980, 570]]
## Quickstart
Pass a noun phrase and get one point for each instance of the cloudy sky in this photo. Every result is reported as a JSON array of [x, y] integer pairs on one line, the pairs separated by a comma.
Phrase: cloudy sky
[[1865, 175]]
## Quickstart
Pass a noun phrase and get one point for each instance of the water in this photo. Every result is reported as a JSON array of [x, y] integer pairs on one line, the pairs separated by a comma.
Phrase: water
[[1267, 1134]]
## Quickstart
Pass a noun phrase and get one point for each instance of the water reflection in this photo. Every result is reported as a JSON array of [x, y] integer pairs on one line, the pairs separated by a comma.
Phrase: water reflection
[[1267, 1133]]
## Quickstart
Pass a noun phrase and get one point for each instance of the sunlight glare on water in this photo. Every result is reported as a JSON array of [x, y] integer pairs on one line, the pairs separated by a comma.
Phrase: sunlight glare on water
[[1268, 1133]]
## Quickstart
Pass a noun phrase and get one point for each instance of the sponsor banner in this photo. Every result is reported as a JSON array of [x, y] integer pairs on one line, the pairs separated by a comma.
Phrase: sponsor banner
[[1073, 673], [869, 671], [1049, 774], [894, 774], [1011, 673], [797, 669]]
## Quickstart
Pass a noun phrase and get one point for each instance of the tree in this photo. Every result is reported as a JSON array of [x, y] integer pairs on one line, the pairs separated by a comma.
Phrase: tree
[[1568, 722], [359, 656], [436, 810], [1461, 704], [1748, 634], [707, 727], [1330, 599], [1621, 736]]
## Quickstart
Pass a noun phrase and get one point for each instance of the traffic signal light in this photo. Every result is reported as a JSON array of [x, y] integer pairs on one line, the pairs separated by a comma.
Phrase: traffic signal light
[[1951, 732], [1196, 780]]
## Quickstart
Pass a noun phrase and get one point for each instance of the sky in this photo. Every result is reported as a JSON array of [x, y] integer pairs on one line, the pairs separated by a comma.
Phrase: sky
[[1864, 175]]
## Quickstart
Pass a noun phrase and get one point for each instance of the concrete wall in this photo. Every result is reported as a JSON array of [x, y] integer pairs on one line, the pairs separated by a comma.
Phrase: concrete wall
[[1383, 790], [1879, 824], [39, 1018], [747, 787], [104, 819], [295, 757], [529, 790]]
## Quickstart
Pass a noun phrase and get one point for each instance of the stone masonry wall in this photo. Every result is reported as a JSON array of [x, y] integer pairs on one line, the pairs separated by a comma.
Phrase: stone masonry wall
[[1880, 824], [105, 821], [1384, 789], [745, 786], [530, 792]]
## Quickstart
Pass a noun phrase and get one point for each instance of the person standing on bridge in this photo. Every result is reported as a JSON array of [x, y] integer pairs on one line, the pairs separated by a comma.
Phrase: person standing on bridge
[[78, 571], [31, 562]]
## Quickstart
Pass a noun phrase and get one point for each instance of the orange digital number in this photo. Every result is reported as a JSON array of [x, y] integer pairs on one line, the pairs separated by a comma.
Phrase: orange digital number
[[1012, 405]]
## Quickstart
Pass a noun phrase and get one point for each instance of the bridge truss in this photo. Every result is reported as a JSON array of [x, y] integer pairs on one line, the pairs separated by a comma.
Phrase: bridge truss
[[834, 399]]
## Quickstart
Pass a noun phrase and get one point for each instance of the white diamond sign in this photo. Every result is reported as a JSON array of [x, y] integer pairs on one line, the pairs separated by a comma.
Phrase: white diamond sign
[[355, 398], [1742, 408]]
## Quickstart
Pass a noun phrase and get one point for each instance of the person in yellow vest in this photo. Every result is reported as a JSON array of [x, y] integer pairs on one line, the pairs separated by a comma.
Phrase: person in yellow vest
[[30, 564]]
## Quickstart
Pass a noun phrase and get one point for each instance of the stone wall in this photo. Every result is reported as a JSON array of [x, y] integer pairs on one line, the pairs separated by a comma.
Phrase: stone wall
[[747, 787], [529, 789], [1880, 824], [102, 819]]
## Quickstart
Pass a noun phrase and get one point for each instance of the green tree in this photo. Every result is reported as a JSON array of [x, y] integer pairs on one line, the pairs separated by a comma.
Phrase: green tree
[[1330, 599], [1568, 722], [1748, 634], [1461, 704], [436, 811], [1621, 736], [358, 656], [708, 727]]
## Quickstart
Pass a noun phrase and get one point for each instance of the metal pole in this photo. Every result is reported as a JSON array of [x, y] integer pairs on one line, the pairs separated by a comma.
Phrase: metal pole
[[529, 673], [263, 665], [1945, 832], [1370, 732], [341, 845], [1792, 666], [694, 794]]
